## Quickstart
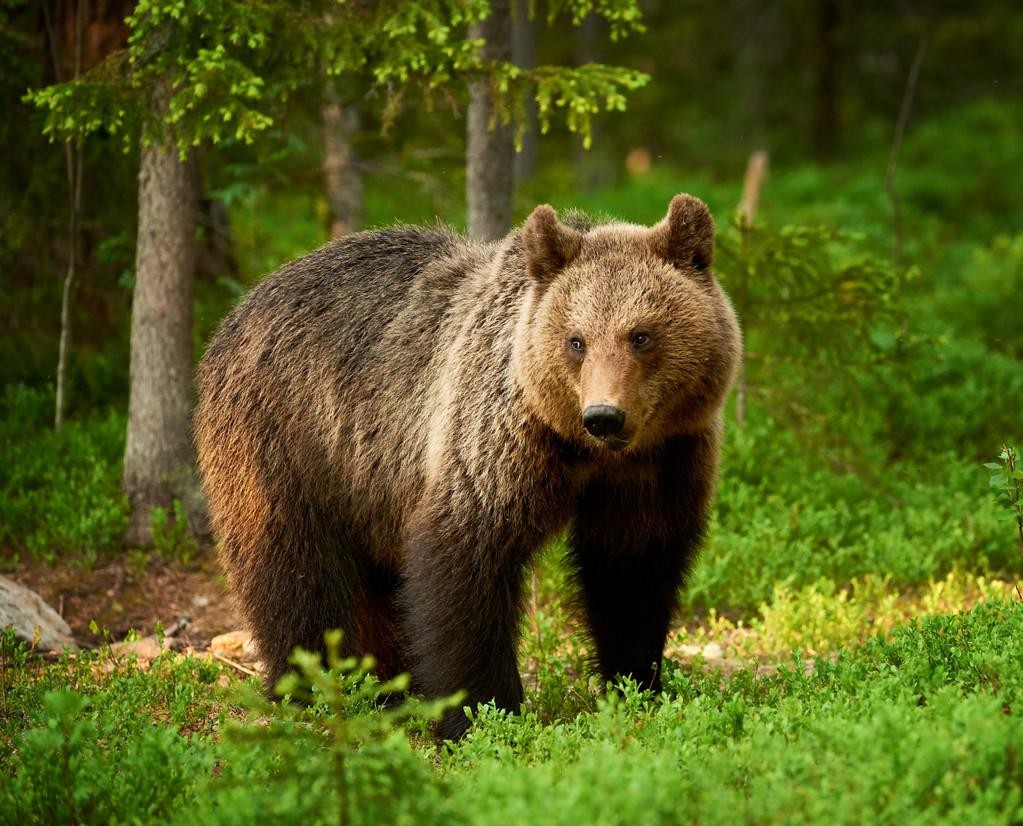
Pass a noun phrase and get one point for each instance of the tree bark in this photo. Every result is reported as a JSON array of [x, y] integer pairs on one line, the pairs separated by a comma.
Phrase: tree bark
[[826, 91], [490, 152], [594, 168], [75, 161], [342, 178], [753, 182], [159, 456], [524, 55]]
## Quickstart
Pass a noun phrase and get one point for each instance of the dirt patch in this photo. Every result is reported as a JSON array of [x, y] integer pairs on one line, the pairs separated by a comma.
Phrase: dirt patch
[[123, 596]]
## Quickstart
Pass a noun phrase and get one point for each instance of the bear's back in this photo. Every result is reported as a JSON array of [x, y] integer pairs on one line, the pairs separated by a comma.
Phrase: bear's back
[[334, 297], [325, 367]]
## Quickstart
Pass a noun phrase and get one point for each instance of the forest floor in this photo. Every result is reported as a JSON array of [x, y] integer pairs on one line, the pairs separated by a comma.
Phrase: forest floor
[[118, 596], [123, 598]]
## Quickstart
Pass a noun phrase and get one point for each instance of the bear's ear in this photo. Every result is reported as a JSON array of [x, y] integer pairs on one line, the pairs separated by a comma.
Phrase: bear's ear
[[685, 238], [548, 244]]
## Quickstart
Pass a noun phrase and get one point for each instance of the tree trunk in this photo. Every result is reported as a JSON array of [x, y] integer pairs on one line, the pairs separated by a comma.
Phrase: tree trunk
[[75, 162], [594, 167], [524, 55], [753, 182], [158, 455], [759, 35], [342, 177], [490, 152], [825, 109]]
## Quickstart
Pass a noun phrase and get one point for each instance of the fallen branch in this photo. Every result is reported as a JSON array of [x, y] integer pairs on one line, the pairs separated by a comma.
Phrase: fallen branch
[[236, 666]]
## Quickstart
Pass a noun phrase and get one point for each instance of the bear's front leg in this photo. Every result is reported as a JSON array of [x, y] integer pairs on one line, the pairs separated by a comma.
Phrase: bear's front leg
[[635, 536], [461, 605]]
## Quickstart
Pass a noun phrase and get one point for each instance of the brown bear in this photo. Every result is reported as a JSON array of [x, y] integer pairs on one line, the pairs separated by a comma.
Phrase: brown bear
[[389, 428]]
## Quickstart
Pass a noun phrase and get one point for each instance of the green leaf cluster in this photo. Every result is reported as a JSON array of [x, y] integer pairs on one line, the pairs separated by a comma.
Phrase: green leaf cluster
[[222, 71], [1007, 479], [807, 293]]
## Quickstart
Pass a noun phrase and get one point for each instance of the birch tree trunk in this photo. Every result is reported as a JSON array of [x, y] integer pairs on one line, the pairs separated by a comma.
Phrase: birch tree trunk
[[158, 456], [490, 153]]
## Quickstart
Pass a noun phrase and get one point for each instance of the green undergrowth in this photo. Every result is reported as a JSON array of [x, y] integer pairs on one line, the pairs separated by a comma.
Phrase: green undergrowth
[[921, 727], [59, 492], [823, 616], [783, 518]]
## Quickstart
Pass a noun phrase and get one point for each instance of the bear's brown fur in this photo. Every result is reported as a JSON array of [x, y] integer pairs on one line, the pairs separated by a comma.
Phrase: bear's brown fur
[[390, 427]]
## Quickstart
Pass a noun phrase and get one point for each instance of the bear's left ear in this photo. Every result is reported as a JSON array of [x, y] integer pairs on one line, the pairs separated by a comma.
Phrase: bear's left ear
[[685, 238], [549, 245]]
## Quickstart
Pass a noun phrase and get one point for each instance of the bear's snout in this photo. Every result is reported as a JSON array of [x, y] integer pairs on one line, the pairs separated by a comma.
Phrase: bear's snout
[[603, 420]]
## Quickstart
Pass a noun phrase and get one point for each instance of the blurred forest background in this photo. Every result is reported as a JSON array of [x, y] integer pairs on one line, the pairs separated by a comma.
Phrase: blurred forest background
[[850, 645], [876, 260]]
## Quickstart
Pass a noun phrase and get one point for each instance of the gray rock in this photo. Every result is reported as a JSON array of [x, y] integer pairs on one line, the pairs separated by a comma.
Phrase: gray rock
[[26, 611]]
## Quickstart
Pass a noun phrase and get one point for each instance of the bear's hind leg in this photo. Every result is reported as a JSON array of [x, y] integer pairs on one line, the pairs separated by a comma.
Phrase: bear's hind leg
[[461, 610], [376, 621], [293, 580]]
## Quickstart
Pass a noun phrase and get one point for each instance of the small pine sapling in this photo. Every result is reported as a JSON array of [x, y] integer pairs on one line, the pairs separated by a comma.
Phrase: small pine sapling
[[1007, 477]]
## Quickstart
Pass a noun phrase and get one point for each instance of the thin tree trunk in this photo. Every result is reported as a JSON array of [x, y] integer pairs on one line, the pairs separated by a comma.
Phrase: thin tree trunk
[[825, 110], [74, 181], [490, 145], [158, 456], [753, 182], [342, 177], [524, 55], [893, 158], [74, 173]]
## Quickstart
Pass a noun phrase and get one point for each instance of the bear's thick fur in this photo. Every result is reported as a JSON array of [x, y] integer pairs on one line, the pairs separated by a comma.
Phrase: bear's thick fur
[[390, 427]]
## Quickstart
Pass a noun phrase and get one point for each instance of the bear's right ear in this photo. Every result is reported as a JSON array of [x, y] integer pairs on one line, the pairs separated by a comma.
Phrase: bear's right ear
[[549, 245], [685, 238]]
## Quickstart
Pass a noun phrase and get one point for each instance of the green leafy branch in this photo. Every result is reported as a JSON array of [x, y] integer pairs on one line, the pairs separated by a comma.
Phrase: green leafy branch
[[1007, 477], [226, 68], [812, 294]]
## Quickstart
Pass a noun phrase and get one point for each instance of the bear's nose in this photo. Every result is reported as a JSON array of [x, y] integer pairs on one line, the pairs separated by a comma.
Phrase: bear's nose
[[602, 420]]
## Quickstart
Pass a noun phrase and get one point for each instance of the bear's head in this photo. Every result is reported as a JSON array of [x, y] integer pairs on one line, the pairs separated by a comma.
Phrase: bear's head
[[625, 338]]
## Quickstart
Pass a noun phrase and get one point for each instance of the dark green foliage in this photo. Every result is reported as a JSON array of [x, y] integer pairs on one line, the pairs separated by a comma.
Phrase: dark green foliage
[[230, 67], [787, 514], [170, 533], [67, 772], [92, 740], [922, 727], [1007, 480]]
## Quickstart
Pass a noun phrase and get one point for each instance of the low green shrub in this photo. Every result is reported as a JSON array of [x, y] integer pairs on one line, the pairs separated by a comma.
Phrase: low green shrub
[[95, 738], [915, 728], [782, 517], [921, 727], [59, 492]]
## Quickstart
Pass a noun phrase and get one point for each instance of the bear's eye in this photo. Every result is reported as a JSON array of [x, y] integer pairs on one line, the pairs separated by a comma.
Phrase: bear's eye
[[576, 343], [640, 341]]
